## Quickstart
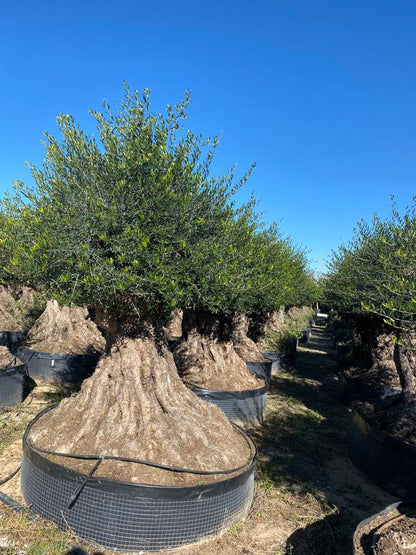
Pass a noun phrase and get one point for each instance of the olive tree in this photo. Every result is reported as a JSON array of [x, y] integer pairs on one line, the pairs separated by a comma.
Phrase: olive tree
[[376, 273], [133, 223]]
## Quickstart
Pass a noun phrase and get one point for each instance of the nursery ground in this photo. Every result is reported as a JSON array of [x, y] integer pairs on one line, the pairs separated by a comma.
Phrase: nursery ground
[[308, 499]]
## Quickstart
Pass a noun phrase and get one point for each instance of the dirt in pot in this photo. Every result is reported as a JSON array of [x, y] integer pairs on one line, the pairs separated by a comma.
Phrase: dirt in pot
[[397, 536], [136, 406]]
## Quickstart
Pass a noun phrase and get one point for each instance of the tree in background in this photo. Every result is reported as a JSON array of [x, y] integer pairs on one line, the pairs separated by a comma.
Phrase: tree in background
[[376, 273]]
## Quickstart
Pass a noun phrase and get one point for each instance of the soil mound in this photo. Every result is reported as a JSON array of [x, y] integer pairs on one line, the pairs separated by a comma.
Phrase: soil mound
[[213, 364], [136, 406], [65, 330]]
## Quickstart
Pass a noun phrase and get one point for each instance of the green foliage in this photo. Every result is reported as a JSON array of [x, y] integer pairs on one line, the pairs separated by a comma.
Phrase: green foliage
[[134, 223], [283, 342], [294, 323], [376, 271]]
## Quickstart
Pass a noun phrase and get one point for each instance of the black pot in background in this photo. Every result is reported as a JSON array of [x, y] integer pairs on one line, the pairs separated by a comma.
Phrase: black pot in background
[[262, 370], [245, 408], [365, 535], [58, 369], [384, 459], [12, 340], [354, 389], [15, 385]]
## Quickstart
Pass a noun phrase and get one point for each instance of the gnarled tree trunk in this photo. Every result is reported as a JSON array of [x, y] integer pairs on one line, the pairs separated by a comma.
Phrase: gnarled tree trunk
[[173, 328], [383, 366], [206, 357], [405, 360], [136, 406], [65, 330], [243, 345], [15, 307], [398, 417]]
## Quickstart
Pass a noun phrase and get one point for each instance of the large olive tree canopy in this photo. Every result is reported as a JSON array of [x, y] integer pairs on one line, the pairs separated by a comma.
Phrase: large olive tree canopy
[[133, 222]]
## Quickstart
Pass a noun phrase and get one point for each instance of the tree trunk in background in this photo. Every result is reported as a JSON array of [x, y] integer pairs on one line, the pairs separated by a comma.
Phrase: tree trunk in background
[[244, 346], [16, 305], [173, 328], [65, 330], [405, 360], [205, 356]]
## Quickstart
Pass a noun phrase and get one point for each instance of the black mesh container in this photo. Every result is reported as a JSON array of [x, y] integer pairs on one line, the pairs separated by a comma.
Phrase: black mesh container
[[306, 334], [15, 385], [350, 390], [246, 408], [386, 461], [262, 370], [130, 516], [58, 369], [12, 339], [280, 361]]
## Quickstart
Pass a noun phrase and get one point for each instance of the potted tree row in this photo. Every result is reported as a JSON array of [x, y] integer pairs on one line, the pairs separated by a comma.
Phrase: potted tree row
[[375, 274], [132, 224]]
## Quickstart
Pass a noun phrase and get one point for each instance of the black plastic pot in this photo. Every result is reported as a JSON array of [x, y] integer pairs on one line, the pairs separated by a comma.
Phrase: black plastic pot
[[58, 369], [12, 339], [350, 390], [280, 361], [246, 408], [130, 516], [262, 370], [365, 535], [306, 334], [15, 385], [385, 460]]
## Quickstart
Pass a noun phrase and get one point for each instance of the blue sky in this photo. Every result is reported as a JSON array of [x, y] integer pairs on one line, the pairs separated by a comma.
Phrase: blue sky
[[321, 94]]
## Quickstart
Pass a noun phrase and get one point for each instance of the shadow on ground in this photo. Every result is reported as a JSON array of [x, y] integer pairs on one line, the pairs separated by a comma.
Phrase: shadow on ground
[[303, 452]]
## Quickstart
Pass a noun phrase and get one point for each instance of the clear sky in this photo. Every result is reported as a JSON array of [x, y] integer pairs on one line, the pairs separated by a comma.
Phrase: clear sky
[[320, 93]]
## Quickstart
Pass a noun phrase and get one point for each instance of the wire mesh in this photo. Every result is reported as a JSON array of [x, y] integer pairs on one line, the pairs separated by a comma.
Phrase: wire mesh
[[133, 517], [246, 408], [58, 369]]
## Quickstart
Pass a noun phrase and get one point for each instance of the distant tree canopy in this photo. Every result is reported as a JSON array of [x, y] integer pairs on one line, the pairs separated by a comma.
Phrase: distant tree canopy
[[376, 271], [134, 223]]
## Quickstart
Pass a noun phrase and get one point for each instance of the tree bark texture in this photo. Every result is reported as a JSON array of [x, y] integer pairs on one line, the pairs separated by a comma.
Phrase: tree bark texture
[[136, 406], [210, 363], [65, 330], [243, 345]]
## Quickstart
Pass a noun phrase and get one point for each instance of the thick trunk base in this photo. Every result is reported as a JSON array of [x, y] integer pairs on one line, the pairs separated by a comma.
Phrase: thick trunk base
[[136, 406], [213, 364], [65, 330], [243, 345]]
